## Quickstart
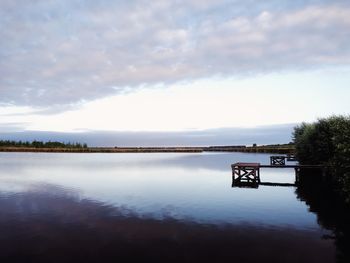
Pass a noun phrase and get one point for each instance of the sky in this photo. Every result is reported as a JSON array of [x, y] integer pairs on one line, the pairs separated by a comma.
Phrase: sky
[[75, 66]]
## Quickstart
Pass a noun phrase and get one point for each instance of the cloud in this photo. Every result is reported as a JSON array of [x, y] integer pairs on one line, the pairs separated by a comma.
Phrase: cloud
[[58, 53]]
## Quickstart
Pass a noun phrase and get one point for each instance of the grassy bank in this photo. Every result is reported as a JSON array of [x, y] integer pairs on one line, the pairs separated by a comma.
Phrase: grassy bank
[[273, 149], [104, 149], [281, 149]]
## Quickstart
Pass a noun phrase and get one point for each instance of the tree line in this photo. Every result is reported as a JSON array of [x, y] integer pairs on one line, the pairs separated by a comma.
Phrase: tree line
[[41, 144], [326, 142]]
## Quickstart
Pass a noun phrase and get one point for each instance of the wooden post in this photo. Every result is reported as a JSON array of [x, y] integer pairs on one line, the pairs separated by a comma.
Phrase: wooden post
[[297, 175], [277, 160]]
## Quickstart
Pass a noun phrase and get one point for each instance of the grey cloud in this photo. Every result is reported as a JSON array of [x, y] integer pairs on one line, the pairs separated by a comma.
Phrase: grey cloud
[[57, 53]]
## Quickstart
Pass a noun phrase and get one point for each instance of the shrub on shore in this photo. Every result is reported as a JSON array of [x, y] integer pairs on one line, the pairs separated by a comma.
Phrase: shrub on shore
[[326, 142]]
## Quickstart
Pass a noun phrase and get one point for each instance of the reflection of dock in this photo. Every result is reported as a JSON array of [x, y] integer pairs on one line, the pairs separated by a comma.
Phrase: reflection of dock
[[248, 174]]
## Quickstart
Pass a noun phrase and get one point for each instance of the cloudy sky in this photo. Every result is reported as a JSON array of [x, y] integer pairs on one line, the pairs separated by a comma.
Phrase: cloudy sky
[[137, 65]]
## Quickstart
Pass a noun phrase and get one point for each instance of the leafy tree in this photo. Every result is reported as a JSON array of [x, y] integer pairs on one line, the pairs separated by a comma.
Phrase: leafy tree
[[327, 142]]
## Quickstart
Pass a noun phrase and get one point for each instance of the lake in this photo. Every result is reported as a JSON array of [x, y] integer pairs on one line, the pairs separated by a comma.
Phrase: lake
[[154, 207]]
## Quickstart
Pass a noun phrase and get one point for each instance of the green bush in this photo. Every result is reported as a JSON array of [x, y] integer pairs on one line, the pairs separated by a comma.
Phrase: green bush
[[326, 142]]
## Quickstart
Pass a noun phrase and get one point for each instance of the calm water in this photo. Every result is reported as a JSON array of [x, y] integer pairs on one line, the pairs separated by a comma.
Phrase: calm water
[[173, 207]]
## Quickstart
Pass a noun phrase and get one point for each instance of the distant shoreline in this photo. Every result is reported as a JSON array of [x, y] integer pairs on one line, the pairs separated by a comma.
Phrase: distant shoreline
[[282, 149]]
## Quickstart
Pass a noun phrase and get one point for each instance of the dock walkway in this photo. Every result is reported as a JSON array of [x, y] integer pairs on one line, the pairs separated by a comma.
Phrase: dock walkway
[[248, 174]]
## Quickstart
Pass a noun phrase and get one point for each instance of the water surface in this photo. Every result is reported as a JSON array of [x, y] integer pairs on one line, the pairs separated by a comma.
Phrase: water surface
[[152, 206]]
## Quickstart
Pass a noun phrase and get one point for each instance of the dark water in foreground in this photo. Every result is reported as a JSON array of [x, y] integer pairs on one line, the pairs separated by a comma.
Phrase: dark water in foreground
[[159, 208]]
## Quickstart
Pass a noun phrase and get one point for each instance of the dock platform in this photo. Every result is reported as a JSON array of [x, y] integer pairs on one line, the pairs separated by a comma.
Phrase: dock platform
[[248, 174]]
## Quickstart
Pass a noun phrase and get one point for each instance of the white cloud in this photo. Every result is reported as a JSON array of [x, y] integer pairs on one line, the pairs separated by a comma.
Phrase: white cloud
[[64, 52]]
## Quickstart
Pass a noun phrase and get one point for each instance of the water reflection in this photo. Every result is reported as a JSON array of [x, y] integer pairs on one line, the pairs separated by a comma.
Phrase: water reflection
[[331, 210], [148, 185], [154, 207], [53, 227], [211, 160]]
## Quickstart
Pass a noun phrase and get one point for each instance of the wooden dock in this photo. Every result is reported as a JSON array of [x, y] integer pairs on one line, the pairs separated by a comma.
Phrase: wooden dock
[[298, 166], [248, 174], [278, 160], [281, 159]]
